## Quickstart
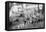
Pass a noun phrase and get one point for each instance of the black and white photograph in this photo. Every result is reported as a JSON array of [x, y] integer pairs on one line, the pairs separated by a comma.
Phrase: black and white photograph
[[24, 15]]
